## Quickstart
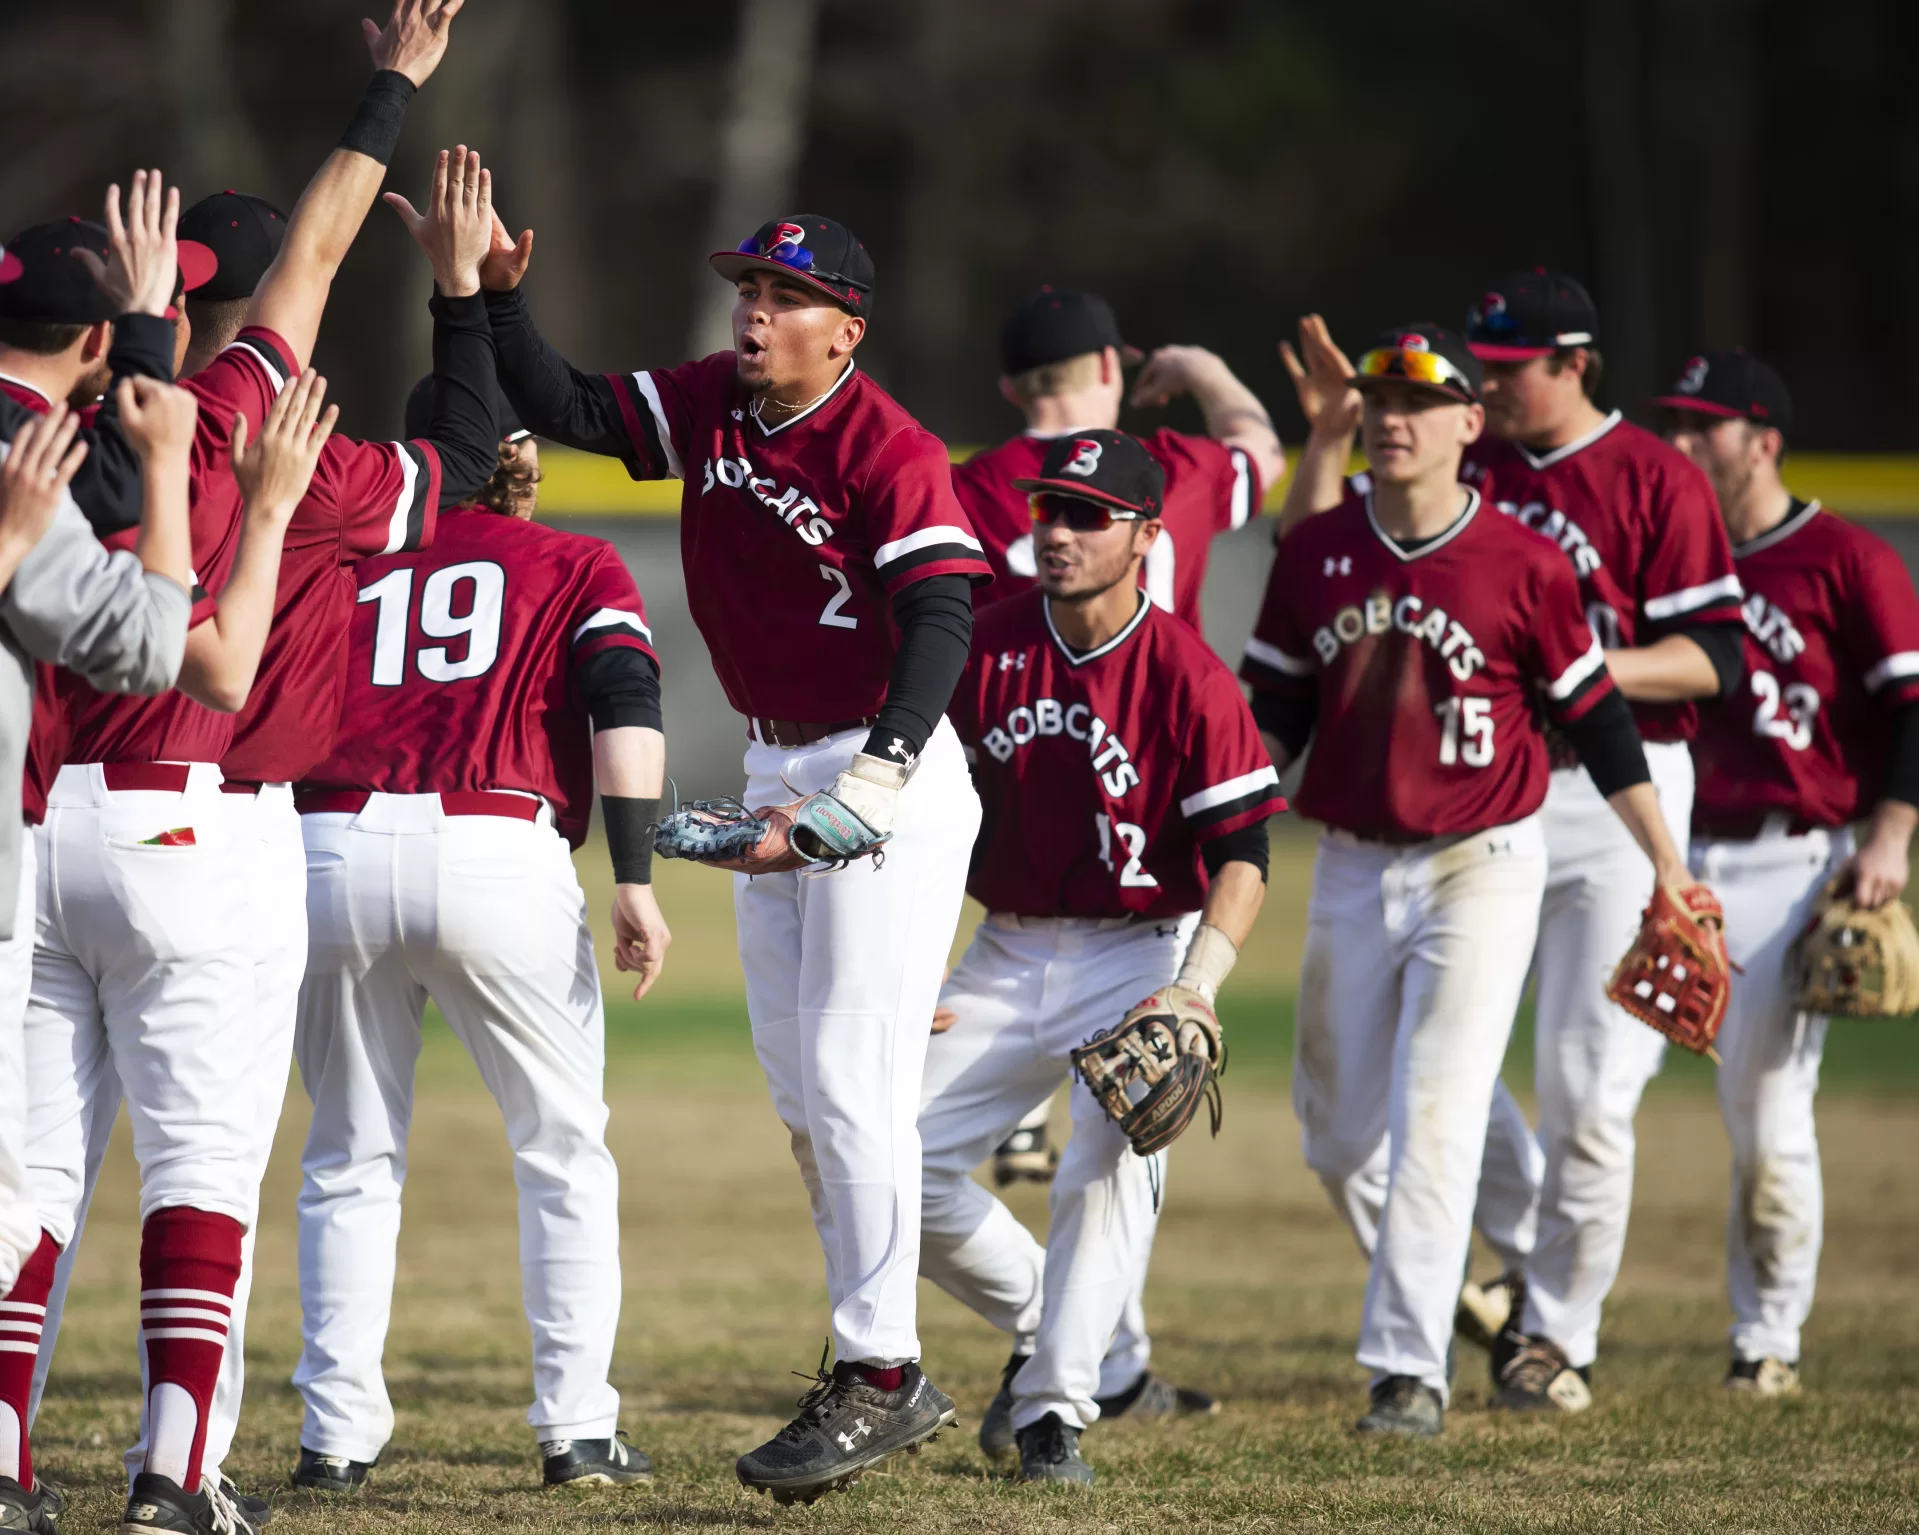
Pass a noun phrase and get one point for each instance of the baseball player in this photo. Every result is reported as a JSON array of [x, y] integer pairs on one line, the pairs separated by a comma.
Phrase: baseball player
[[130, 940], [1124, 845], [1826, 734], [829, 568], [1062, 360], [1412, 637], [1637, 521], [491, 683]]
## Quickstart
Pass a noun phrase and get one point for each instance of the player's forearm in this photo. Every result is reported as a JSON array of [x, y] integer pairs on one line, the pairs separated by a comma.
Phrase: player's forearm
[[1638, 808], [1892, 825], [935, 619], [1670, 670], [223, 654], [1235, 416], [165, 544], [1233, 901], [327, 218], [629, 768], [550, 395], [462, 429], [1319, 478], [107, 487]]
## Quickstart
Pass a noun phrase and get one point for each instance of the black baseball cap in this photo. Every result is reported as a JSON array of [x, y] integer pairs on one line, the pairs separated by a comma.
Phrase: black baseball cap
[[817, 251], [53, 286], [1056, 323], [1531, 314], [1112, 468], [235, 236], [419, 413], [1731, 382], [1423, 354]]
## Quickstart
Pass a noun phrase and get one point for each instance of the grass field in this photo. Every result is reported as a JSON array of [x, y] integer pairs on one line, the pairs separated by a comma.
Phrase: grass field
[[1255, 1294]]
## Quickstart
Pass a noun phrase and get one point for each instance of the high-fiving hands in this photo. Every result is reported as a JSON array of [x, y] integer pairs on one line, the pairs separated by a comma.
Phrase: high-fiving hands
[[1324, 381], [143, 270], [413, 42], [456, 230]]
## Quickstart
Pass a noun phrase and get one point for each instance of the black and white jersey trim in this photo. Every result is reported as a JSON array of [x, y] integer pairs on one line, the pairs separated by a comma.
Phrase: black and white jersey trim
[[1561, 454], [278, 369], [1223, 801], [1406, 556], [820, 404], [611, 621], [1080, 658], [406, 523], [929, 546], [659, 435], [1785, 530]]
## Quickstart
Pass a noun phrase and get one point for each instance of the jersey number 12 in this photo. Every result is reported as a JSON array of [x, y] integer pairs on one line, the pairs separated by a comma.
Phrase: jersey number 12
[[1131, 875], [479, 624]]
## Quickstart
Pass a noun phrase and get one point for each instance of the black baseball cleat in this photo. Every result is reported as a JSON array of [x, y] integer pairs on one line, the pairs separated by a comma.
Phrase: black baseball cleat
[[159, 1506], [259, 1512], [330, 1473], [1049, 1452], [585, 1462], [1539, 1378], [996, 1440], [1403, 1404], [846, 1426], [1025, 1156], [1486, 1311], [1750, 1377], [32, 1508], [1151, 1397]]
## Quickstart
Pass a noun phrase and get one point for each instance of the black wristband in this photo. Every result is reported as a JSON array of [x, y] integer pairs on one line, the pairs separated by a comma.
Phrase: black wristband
[[1902, 756], [375, 128], [630, 824]]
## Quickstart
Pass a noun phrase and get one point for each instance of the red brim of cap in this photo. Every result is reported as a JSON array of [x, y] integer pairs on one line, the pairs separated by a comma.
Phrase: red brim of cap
[[1701, 407], [1084, 491], [197, 263], [733, 265], [1485, 351], [11, 266]]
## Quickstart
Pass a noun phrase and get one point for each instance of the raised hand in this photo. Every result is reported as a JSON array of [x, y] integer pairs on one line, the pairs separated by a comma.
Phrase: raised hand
[[414, 41], [506, 259], [274, 470], [159, 419], [456, 230], [144, 268], [1172, 371], [37, 471], [1323, 381]]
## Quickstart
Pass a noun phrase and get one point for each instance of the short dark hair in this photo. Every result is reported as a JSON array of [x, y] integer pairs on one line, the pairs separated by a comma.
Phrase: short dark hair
[[42, 338], [215, 320], [1595, 367]]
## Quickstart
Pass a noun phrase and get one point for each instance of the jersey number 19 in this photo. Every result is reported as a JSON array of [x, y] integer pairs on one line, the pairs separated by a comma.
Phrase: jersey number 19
[[441, 598]]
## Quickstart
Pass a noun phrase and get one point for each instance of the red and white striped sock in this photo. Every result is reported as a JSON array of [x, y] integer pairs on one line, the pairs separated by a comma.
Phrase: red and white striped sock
[[189, 1264], [22, 1314]]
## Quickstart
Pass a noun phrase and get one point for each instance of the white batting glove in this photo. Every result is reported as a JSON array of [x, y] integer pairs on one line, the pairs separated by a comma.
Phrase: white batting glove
[[870, 788]]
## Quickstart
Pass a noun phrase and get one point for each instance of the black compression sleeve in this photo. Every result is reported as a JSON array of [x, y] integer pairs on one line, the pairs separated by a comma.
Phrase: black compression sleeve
[[630, 824], [462, 429], [1289, 721], [1725, 647], [1608, 744], [1247, 845], [1902, 756], [621, 686], [935, 617], [109, 486], [375, 128], [550, 395]]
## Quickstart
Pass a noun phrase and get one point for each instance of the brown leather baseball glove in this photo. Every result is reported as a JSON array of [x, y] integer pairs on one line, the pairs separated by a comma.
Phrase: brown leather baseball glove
[[1860, 963], [1151, 1070], [1676, 976]]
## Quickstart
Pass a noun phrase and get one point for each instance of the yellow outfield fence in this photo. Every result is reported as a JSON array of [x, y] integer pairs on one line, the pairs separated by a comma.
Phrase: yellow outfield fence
[[1858, 484]]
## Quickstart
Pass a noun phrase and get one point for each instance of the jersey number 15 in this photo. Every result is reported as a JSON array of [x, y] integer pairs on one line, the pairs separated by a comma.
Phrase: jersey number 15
[[1465, 731], [441, 618]]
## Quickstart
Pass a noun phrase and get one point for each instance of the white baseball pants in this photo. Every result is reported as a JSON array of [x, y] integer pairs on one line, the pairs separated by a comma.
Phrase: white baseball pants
[[1027, 991], [484, 915], [1415, 961], [1592, 1059], [1770, 1052], [19, 1220], [842, 975]]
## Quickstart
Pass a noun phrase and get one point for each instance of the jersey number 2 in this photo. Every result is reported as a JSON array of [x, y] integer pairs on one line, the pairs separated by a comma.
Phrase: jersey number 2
[[479, 624], [1131, 875], [833, 617]]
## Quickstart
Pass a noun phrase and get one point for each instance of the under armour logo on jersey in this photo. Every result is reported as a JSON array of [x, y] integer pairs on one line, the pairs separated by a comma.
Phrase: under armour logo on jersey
[[738, 414], [1012, 660], [1341, 565], [860, 1428], [1085, 459], [1694, 378]]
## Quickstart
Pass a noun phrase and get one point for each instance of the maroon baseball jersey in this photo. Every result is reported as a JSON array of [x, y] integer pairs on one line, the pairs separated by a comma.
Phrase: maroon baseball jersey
[[1639, 522], [460, 663], [796, 535], [1832, 647], [1102, 774], [1210, 489], [1428, 666], [245, 378], [366, 499]]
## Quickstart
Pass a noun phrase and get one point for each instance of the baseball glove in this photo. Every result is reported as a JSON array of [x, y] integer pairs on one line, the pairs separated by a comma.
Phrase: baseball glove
[[1676, 976], [1151, 1069], [724, 834], [1859, 964]]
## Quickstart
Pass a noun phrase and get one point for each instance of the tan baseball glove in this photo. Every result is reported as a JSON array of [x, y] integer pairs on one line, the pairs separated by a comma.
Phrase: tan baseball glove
[[1151, 1070], [1859, 963], [1676, 976]]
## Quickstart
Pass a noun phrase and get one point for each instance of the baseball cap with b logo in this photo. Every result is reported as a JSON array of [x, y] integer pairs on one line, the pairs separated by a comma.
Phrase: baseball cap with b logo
[[1731, 382], [810, 249], [1112, 469], [1531, 314]]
